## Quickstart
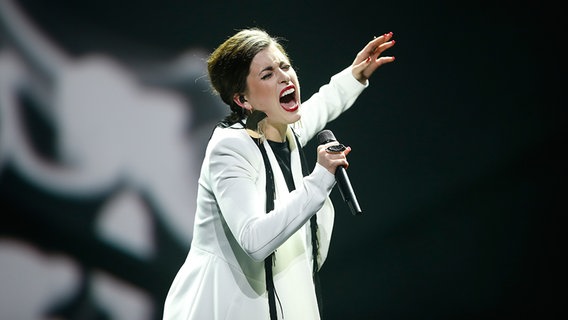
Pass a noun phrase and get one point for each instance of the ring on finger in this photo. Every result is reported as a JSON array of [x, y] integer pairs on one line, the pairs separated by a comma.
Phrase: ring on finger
[[337, 148]]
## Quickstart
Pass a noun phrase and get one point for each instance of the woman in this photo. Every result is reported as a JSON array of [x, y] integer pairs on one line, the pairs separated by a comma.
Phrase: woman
[[264, 221]]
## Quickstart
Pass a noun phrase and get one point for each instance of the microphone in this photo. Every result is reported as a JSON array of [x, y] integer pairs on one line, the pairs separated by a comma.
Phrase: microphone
[[341, 177]]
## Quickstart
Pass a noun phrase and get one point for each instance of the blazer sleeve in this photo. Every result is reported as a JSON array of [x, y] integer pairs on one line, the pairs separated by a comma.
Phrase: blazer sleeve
[[237, 175]]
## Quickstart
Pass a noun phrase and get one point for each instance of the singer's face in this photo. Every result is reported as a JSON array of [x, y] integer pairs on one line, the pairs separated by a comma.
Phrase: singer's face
[[272, 87]]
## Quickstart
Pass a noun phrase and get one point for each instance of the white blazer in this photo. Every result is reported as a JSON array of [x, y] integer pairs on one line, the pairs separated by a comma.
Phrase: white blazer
[[223, 275]]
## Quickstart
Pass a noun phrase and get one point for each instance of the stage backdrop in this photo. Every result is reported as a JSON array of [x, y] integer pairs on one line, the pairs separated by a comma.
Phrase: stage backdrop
[[105, 112]]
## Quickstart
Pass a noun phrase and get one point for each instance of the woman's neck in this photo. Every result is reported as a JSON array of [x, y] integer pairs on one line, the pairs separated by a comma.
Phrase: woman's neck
[[275, 133]]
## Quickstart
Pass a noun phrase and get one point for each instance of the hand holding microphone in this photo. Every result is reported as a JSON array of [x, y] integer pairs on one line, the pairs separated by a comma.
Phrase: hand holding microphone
[[332, 155], [345, 188]]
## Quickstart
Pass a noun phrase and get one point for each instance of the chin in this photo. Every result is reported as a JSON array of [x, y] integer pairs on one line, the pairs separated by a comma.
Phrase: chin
[[295, 117]]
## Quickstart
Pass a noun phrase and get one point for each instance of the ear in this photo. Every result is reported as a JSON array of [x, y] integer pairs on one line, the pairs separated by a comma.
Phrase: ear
[[241, 101]]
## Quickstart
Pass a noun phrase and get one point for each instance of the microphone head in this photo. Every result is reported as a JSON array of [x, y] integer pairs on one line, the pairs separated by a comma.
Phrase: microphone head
[[325, 136]]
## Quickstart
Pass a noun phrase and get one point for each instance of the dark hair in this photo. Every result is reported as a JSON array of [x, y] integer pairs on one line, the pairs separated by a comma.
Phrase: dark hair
[[229, 64]]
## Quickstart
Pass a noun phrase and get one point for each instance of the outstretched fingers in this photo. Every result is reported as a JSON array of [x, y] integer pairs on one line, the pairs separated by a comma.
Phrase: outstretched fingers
[[375, 47], [369, 59]]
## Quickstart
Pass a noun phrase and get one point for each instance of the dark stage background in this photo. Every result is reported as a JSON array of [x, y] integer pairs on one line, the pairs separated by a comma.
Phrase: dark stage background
[[457, 155]]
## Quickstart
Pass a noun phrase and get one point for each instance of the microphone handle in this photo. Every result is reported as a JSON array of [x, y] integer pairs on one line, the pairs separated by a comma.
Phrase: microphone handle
[[347, 191]]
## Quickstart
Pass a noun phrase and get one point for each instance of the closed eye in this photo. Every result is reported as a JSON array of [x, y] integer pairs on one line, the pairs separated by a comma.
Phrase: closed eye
[[269, 74]]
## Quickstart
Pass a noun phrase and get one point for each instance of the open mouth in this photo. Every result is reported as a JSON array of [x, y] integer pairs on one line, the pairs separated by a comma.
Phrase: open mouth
[[288, 99]]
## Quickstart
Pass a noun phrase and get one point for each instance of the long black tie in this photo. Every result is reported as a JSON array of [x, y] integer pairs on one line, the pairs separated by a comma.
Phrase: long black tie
[[315, 242], [269, 207]]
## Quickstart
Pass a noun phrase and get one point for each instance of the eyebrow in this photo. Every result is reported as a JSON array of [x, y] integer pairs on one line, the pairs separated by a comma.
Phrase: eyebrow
[[269, 68]]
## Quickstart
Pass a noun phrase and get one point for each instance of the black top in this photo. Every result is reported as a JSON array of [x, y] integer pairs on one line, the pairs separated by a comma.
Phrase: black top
[[282, 153]]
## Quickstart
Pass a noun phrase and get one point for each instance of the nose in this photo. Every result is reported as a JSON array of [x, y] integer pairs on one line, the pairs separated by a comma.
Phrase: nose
[[285, 78]]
